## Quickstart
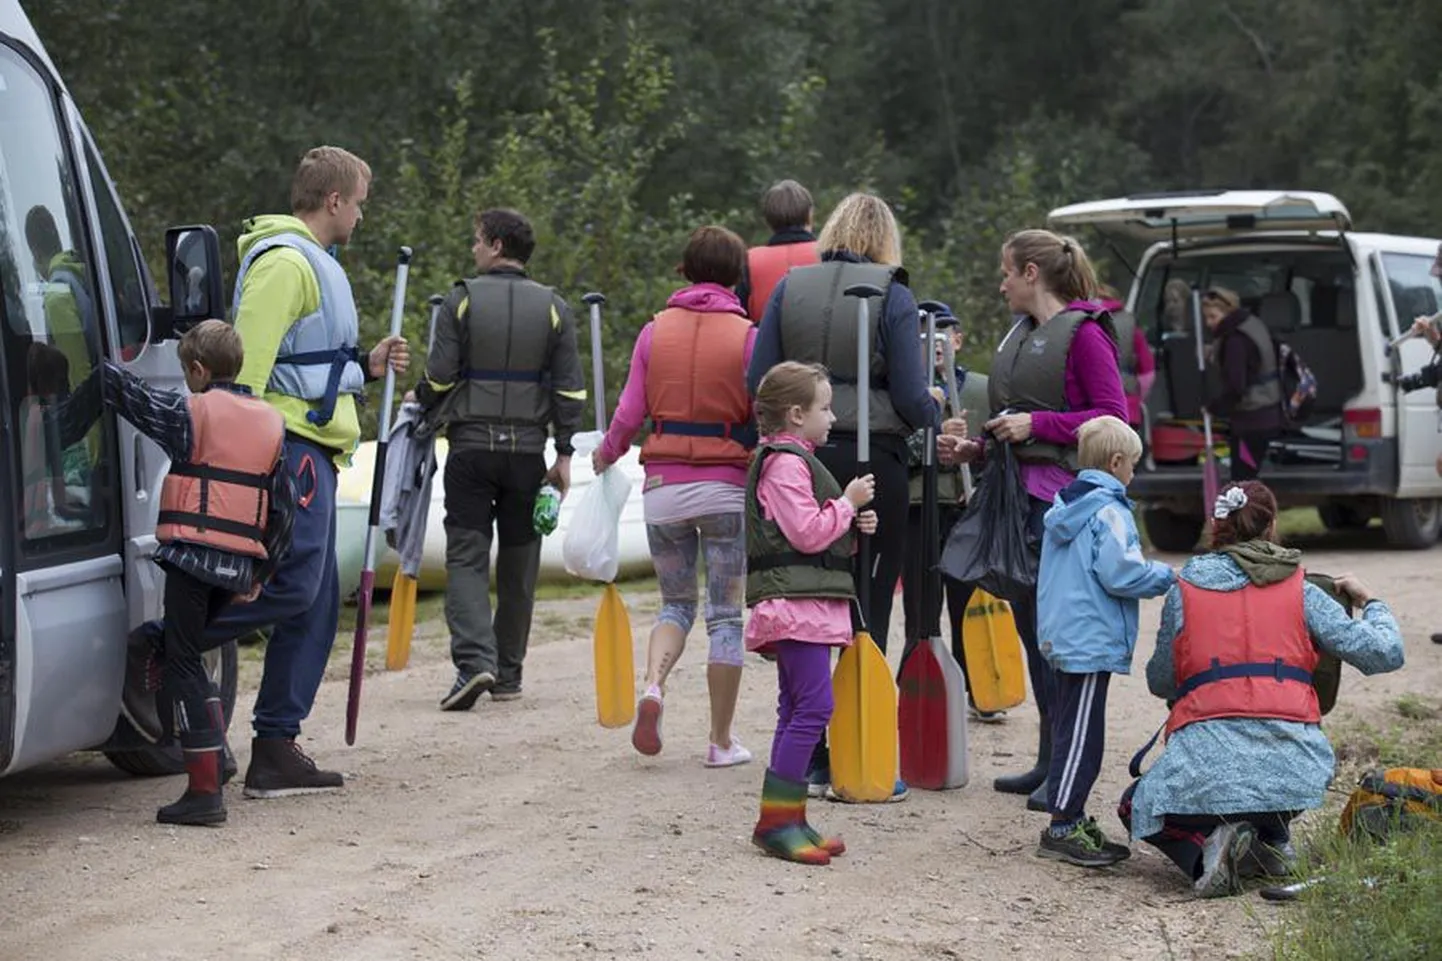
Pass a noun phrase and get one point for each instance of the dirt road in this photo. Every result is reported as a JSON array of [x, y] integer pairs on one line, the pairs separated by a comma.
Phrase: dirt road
[[524, 831]]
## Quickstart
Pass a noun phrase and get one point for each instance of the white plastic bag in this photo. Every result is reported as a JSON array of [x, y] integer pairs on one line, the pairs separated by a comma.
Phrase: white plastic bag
[[591, 548]]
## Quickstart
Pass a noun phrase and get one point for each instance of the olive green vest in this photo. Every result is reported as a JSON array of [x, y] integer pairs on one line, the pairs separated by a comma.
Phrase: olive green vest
[[1125, 326], [1267, 391], [509, 325], [948, 479], [1029, 374], [818, 326], [776, 569]]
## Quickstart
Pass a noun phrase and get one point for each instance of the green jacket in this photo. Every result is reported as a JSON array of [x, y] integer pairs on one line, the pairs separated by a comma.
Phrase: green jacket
[[776, 569]]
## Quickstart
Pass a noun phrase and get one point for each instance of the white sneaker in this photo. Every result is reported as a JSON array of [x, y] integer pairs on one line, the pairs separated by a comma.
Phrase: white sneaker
[[646, 735], [727, 756]]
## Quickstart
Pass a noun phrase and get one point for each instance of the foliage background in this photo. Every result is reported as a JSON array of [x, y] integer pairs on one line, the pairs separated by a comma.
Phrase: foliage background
[[618, 125]]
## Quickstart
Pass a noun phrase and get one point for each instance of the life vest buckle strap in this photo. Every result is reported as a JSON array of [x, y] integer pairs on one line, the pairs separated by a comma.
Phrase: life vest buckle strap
[[1276, 669], [744, 434], [337, 359], [206, 522], [221, 475], [503, 376]]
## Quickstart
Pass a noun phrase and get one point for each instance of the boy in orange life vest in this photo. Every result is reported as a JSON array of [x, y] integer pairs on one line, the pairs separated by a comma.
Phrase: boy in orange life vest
[[226, 510], [789, 211]]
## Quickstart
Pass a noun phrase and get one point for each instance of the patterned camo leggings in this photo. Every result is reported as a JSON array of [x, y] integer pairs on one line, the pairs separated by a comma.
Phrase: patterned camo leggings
[[675, 549]]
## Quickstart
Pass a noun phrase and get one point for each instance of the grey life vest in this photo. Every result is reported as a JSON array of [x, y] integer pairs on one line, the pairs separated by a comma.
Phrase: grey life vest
[[1125, 326], [318, 358], [774, 568], [818, 326], [1029, 375], [509, 322]]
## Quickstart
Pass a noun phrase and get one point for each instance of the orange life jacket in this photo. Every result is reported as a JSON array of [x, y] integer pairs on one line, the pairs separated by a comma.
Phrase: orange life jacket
[[696, 389], [1244, 653], [765, 266], [220, 497]]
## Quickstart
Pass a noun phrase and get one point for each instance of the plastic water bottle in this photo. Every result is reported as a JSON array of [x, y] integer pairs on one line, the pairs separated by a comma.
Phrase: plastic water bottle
[[547, 511]]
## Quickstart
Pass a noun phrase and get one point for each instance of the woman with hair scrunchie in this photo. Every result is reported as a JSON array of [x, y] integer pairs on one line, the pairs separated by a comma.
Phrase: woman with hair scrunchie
[[1245, 753]]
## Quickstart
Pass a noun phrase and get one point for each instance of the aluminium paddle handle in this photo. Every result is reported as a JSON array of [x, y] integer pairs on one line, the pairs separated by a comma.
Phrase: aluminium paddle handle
[[594, 300], [863, 293]]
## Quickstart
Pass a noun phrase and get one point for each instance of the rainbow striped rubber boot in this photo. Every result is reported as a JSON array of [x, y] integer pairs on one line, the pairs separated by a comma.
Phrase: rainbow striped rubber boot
[[781, 830]]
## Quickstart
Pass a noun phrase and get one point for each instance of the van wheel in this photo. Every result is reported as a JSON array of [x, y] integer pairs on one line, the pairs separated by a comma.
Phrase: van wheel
[[156, 760], [1411, 524], [1343, 517], [1172, 532]]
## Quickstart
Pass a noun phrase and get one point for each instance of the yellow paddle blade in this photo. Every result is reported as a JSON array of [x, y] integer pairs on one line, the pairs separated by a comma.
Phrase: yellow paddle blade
[[863, 724], [615, 670], [402, 622], [993, 654]]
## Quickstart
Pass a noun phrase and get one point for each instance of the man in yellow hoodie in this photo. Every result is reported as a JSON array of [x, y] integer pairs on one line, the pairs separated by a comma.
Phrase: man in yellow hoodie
[[297, 317]]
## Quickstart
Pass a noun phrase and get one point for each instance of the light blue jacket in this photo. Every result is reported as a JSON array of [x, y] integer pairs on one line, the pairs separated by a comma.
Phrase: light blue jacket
[[1092, 574]]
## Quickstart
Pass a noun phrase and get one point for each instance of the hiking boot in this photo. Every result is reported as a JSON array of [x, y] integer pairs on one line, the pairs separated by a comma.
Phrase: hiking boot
[[467, 690], [1078, 845], [505, 693], [646, 735], [1264, 860], [1224, 849], [780, 831], [727, 756], [279, 768], [1122, 851]]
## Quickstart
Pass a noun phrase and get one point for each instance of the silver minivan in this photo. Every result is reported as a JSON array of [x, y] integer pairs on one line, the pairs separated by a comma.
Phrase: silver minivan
[[75, 566], [1367, 449]]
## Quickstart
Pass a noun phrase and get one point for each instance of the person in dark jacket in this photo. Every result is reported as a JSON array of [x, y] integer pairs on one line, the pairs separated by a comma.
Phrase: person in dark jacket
[[809, 319], [1246, 389]]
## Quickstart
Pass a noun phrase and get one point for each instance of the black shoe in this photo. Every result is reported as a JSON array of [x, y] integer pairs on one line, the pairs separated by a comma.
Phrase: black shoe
[[1079, 846], [1029, 781], [279, 768], [506, 693], [198, 810], [1437, 638], [467, 690]]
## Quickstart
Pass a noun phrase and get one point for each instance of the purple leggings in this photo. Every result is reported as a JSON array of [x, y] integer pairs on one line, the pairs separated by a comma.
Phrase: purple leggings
[[803, 673]]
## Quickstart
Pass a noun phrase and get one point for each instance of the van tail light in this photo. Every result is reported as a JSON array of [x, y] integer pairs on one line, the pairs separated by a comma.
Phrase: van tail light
[[1363, 423]]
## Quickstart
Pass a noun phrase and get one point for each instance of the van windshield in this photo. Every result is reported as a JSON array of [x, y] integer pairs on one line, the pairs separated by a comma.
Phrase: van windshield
[[50, 330]]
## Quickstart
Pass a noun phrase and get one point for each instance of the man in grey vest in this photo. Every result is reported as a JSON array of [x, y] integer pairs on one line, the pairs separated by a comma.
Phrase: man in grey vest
[[504, 374]]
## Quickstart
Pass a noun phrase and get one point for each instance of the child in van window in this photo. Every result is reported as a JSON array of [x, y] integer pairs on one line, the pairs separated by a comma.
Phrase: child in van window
[[226, 510], [799, 542], [1091, 577]]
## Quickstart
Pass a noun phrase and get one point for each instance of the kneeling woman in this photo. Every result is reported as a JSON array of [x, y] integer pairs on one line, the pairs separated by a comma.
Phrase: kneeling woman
[[1241, 633]]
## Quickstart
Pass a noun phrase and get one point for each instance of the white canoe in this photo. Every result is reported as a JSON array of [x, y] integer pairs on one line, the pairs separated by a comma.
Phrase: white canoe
[[353, 504]]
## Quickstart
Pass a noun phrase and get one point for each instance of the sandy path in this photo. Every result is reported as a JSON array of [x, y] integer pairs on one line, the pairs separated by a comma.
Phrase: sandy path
[[523, 830]]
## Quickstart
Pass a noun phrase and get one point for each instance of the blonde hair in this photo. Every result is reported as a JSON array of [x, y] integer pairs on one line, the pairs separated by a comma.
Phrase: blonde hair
[[324, 171], [1061, 261], [789, 384], [216, 346], [864, 225], [1102, 438]]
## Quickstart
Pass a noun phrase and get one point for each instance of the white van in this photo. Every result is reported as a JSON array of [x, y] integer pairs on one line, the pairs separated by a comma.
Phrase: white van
[[75, 565], [1337, 297]]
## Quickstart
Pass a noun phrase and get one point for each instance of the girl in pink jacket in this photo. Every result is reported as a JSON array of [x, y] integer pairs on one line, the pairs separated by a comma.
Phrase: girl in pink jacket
[[799, 541]]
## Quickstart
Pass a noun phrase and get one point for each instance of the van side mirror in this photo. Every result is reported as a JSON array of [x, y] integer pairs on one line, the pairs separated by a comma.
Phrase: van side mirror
[[193, 271]]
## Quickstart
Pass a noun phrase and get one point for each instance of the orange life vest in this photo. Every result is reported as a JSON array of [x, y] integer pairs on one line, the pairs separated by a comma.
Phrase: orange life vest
[[1244, 653], [221, 496], [765, 266], [696, 389]]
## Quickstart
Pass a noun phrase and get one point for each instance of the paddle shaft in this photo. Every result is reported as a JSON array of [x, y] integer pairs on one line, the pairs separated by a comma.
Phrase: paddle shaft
[[368, 570], [954, 393], [598, 362], [863, 445], [930, 509], [1210, 486]]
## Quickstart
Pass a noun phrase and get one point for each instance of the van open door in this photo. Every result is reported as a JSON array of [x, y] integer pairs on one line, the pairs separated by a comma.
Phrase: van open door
[[1188, 215]]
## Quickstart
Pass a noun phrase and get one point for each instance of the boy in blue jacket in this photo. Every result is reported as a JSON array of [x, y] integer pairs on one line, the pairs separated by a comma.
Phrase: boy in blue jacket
[[1092, 575]]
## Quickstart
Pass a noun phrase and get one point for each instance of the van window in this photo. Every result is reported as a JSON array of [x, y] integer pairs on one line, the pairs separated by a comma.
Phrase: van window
[[1415, 292], [120, 258], [51, 335]]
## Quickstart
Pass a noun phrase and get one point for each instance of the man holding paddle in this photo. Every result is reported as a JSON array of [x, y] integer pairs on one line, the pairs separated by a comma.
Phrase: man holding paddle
[[297, 318], [503, 373]]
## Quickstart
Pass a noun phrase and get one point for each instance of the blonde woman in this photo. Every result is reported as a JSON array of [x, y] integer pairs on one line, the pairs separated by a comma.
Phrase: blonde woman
[[809, 319]]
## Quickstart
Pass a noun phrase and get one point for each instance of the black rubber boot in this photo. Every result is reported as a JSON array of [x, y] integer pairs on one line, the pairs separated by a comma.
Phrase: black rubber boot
[[202, 802], [1036, 777], [1036, 800]]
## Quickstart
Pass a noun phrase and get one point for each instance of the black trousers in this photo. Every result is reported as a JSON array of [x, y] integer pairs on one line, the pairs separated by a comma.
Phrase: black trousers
[[1183, 836], [1043, 681], [954, 593], [893, 498], [1249, 452], [185, 687]]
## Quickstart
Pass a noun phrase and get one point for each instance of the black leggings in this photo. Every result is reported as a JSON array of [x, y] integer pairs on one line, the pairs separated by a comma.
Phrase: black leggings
[[893, 497], [1183, 836]]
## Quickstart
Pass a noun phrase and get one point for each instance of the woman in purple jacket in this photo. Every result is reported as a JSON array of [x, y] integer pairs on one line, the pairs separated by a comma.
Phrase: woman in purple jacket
[[1055, 370]]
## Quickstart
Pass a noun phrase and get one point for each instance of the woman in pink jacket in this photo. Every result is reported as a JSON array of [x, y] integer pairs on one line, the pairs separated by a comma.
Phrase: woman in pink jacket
[[799, 588]]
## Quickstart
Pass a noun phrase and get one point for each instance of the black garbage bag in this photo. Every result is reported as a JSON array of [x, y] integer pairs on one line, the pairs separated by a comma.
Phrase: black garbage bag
[[989, 546]]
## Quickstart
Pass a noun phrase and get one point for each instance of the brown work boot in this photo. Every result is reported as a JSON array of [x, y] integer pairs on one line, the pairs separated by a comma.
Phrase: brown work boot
[[279, 768]]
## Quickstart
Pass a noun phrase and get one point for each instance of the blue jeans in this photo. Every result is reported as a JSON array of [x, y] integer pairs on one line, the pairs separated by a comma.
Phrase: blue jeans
[[301, 603]]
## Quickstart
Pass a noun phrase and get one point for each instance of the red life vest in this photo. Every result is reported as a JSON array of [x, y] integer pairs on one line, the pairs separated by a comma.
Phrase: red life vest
[[1244, 653], [696, 389], [220, 497], [765, 266]]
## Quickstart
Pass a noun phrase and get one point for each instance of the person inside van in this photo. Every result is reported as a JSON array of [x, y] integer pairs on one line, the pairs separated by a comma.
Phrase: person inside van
[[1245, 387], [1134, 356], [1241, 632]]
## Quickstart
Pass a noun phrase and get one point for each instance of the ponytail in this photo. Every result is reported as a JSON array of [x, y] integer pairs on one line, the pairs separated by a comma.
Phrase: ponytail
[[1061, 261]]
